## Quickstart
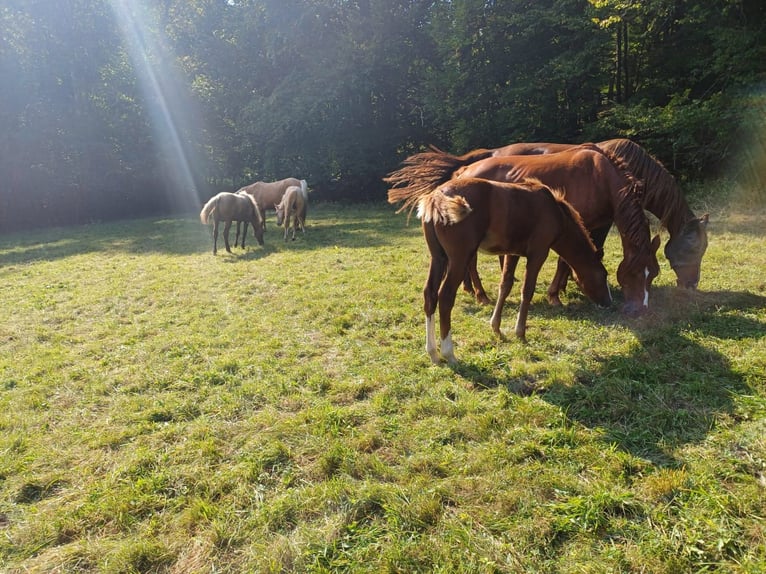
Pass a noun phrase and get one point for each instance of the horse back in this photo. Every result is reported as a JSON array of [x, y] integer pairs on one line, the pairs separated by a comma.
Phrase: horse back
[[524, 148], [268, 193], [586, 178], [504, 217]]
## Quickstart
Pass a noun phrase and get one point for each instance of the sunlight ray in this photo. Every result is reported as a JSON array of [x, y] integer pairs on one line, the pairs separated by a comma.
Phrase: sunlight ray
[[168, 103]]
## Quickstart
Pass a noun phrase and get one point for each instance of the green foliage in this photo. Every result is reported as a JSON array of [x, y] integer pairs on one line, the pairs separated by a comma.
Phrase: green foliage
[[121, 109], [691, 137], [273, 410]]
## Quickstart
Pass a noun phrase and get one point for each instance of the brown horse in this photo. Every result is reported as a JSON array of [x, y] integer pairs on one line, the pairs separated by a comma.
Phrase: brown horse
[[525, 219], [228, 207], [599, 189], [662, 197]]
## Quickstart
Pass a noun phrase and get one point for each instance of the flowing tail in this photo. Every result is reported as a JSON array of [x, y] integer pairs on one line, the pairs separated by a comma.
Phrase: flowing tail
[[440, 209], [425, 171], [208, 209]]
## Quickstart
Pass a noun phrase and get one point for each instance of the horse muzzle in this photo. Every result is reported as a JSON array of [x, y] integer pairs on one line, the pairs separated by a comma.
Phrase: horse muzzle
[[634, 309]]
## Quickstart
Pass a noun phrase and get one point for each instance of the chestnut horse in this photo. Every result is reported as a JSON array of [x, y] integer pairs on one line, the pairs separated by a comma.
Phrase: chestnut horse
[[597, 185], [525, 219], [228, 207], [662, 197]]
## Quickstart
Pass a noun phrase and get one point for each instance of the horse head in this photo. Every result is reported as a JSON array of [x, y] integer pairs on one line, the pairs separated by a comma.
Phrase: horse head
[[636, 281], [258, 226], [280, 209], [594, 284], [685, 251]]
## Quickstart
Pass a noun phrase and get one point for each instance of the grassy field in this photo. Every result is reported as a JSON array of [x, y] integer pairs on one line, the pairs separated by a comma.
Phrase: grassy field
[[274, 410]]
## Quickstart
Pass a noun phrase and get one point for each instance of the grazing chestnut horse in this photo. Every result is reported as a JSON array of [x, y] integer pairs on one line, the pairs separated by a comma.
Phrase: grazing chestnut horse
[[525, 219], [228, 207], [662, 197], [597, 185], [293, 205]]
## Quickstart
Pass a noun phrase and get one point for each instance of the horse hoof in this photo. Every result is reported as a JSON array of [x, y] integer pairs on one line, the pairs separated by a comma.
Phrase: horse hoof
[[483, 299]]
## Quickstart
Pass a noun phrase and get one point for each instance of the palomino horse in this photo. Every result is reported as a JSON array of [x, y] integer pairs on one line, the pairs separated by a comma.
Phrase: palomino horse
[[268, 193], [594, 183], [228, 207], [524, 219], [662, 197], [293, 205]]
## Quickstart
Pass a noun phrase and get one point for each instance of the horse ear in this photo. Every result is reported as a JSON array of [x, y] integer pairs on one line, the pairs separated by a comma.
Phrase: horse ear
[[704, 219]]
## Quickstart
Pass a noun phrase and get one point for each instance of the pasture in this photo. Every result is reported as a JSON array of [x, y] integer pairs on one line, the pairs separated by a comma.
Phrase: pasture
[[274, 410]]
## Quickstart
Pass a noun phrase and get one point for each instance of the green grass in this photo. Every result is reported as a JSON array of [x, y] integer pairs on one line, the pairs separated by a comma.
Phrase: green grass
[[274, 410]]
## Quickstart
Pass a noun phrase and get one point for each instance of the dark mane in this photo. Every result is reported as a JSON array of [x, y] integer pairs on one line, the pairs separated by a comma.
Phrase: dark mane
[[661, 191], [629, 208]]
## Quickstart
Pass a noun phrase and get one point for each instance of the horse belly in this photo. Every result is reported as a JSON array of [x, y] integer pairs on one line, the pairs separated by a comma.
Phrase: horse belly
[[497, 244]]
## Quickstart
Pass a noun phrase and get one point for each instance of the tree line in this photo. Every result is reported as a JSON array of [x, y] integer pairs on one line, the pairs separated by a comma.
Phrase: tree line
[[118, 108]]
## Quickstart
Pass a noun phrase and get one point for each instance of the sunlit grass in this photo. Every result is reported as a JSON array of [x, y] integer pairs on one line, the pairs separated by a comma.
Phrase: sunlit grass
[[274, 410]]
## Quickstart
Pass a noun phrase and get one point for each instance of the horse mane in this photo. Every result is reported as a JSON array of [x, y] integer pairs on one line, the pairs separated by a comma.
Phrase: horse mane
[[425, 171], [569, 212], [255, 206], [660, 187], [629, 209]]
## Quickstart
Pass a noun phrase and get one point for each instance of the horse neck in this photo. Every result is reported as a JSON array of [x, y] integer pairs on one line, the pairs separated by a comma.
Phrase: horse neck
[[573, 244], [661, 195], [670, 208]]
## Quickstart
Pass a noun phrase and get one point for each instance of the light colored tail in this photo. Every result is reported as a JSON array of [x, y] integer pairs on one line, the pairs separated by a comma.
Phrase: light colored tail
[[208, 209], [442, 209]]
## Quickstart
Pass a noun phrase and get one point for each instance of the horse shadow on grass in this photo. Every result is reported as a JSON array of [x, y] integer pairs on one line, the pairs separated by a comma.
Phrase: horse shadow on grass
[[327, 225], [176, 236], [667, 392]]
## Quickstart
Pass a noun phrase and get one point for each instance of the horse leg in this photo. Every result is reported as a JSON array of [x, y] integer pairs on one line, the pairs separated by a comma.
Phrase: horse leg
[[563, 271], [299, 220], [506, 283], [478, 288], [436, 271], [534, 263], [430, 300], [236, 237], [455, 272], [215, 236], [244, 233], [226, 228], [559, 282]]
